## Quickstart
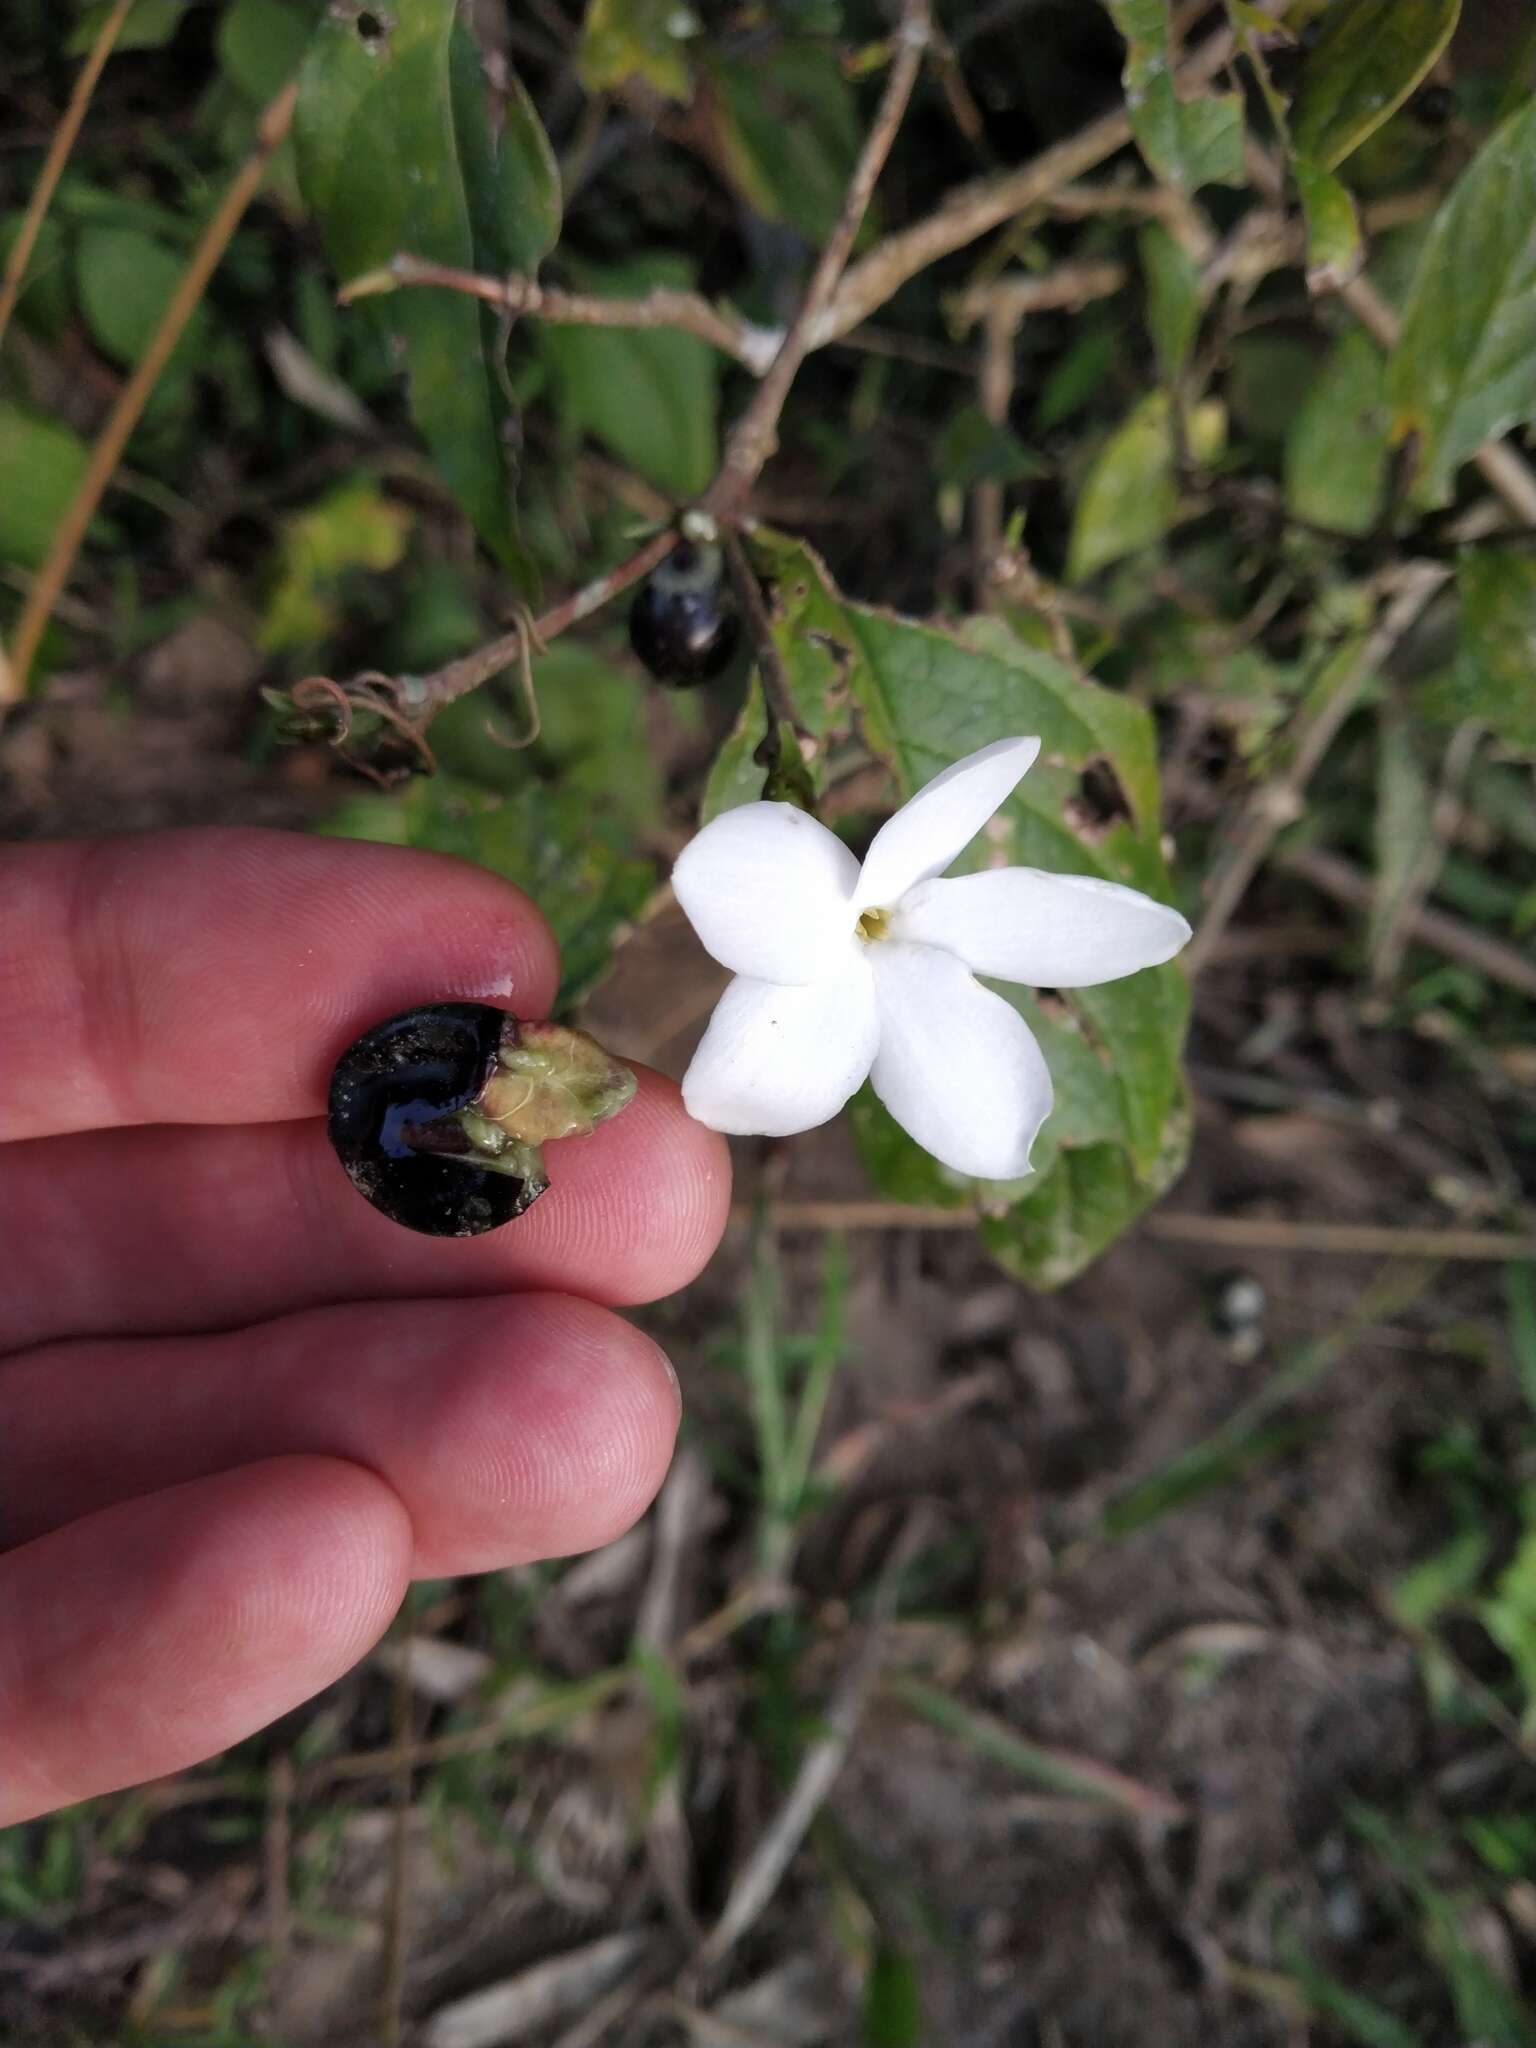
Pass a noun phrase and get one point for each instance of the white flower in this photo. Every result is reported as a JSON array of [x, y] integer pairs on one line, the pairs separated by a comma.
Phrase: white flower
[[844, 971]]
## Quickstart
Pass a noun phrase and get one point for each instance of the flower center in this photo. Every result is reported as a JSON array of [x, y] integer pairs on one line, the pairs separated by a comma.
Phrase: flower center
[[874, 924]]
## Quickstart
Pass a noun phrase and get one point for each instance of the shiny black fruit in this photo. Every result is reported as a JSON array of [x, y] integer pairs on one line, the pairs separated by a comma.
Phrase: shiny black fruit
[[397, 1080], [439, 1115], [682, 624]]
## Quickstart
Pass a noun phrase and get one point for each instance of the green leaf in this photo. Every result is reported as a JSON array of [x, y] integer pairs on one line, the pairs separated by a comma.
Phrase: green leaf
[[1336, 451], [1187, 142], [149, 26], [1368, 57], [394, 154], [1464, 369], [924, 698], [1335, 251], [352, 527], [1491, 678], [651, 396], [788, 129], [125, 280], [972, 449], [41, 466], [1130, 496], [530, 201], [1088, 1199], [261, 44], [1175, 297], [624, 39], [554, 843], [893, 2002]]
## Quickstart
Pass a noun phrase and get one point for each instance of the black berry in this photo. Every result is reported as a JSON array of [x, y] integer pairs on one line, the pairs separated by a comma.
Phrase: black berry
[[396, 1080], [439, 1114], [682, 624]]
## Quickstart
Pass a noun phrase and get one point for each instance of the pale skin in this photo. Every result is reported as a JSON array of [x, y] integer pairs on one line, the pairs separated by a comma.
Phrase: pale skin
[[240, 1410]]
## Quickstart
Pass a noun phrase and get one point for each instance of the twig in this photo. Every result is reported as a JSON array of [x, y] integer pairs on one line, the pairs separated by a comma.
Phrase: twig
[[1001, 307], [271, 130], [754, 347], [1279, 803], [1446, 934], [974, 209], [53, 165], [425, 696], [777, 693], [1230, 1233], [753, 436], [1066, 288]]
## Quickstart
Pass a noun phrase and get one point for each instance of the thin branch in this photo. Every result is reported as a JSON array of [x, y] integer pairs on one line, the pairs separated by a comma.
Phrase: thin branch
[[53, 164], [1172, 1226], [690, 312], [777, 694], [1279, 803], [1435, 928], [753, 436], [124, 417], [974, 209]]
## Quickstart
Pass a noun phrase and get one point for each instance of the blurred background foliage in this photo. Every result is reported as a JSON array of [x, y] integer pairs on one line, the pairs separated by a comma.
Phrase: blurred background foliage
[[1202, 454]]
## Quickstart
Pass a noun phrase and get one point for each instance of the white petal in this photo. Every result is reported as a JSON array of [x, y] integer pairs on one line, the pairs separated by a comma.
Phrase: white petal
[[940, 821], [1049, 931], [958, 1067], [777, 1060], [769, 890]]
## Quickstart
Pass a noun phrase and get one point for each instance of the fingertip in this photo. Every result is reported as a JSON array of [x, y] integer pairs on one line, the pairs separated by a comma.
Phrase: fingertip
[[645, 1200]]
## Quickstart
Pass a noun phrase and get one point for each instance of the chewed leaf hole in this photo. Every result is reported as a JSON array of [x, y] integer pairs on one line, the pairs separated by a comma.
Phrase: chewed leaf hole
[[1100, 800], [373, 28]]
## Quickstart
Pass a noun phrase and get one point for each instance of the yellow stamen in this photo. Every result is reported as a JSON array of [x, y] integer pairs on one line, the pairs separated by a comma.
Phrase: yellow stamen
[[875, 924]]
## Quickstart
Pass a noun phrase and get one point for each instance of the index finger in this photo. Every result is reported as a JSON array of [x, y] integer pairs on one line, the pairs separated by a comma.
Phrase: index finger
[[213, 976]]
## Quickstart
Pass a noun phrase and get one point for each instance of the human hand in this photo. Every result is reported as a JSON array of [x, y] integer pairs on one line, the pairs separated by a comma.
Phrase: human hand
[[240, 1410]]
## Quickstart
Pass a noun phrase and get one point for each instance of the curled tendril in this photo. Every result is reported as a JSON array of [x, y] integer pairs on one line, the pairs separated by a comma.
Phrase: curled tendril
[[530, 642]]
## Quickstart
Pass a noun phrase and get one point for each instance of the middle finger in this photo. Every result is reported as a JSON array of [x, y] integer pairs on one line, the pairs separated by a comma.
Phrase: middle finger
[[150, 1231]]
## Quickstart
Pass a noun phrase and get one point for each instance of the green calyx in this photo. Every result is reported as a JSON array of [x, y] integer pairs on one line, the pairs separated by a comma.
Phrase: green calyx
[[549, 1081]]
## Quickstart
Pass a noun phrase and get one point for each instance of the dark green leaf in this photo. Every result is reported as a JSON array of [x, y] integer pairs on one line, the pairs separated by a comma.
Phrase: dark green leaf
[[893, 2003], [394, 155], [1336, 450], [41, 465], [1464, 369], [973, 449], [529, 199], [1335, 251], [1175, 297], [150, 24], [1493, 679], [1130, 496], [262, 44], [624, 39], [789, 132], [125, 280], [1188, 142], [649, 395], [1368, 58]]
